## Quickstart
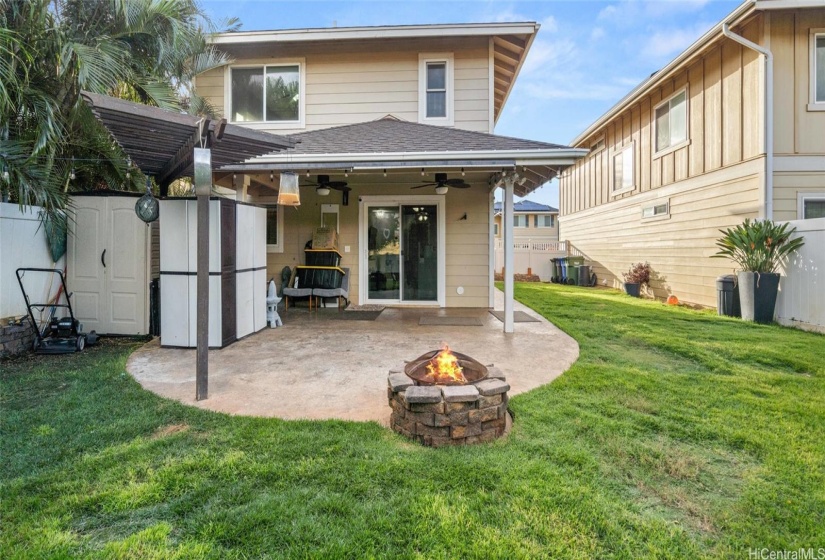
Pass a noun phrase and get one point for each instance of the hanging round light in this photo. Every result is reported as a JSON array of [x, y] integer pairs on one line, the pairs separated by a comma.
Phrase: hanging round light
[[322, 191], [441, 189], [147, 207]]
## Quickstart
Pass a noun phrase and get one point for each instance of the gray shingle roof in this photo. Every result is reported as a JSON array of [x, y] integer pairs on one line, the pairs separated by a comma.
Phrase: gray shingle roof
[[393, 135], [527, 206]]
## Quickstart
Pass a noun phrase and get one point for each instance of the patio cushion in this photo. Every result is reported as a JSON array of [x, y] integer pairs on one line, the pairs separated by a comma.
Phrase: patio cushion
[[300, 291]]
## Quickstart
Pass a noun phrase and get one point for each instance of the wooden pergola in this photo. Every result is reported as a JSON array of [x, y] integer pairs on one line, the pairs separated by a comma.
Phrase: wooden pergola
[[168, 145]]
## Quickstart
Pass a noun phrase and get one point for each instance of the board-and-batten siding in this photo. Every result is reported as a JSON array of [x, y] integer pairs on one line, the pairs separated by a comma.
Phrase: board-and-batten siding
[[799, 132], [346, 88], [614, 236], [712, 182], [467, 245]]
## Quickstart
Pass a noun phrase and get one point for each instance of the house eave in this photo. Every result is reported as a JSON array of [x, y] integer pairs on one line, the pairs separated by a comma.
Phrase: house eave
[[375, 32], [565, 156]]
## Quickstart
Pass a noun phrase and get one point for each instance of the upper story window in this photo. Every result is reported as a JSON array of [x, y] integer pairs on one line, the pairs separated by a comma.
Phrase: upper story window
[[670, 119], [271, 94], [545, 221], [435, 89], [817, 101], [520, 220], [623, 170]]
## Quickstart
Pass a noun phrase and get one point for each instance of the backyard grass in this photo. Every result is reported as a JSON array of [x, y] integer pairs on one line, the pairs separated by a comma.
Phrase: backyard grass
[[676, 434]]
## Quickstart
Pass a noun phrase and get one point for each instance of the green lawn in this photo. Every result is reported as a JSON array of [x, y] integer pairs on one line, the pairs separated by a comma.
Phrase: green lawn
[[676, 434]]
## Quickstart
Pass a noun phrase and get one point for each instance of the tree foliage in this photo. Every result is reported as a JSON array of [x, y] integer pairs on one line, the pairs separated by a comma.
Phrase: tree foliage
[[146, 51]]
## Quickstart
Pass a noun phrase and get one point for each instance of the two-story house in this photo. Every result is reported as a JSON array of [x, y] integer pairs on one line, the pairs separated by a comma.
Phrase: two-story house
[[733, 128], [395, 149], [531, 221]]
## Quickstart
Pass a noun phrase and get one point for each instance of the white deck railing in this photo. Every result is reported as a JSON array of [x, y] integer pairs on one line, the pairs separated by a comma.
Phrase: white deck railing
[[533, 256]]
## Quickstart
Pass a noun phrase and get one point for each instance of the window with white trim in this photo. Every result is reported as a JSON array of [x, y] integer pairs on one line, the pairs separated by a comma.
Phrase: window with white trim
[[274, 229], [520, 220], [818, 68], [811, 206], [623, 170], [656, 210], [670, 121], [435, 88], [545, 221], [266, 94], [495, 229]]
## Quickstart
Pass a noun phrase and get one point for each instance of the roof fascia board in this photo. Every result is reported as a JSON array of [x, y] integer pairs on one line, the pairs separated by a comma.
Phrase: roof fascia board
[[714, 33], [787, 4], [379, 32], [523, 57], [532, 157]]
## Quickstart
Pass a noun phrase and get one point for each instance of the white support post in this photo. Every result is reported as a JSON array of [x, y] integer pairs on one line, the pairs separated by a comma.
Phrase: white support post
[[507, 216]]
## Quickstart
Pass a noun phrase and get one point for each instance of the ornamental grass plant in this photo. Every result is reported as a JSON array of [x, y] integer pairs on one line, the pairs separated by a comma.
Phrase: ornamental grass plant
[[758, 245]]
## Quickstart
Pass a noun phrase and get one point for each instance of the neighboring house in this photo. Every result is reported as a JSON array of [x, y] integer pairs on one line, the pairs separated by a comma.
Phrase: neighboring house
[[386, 110], [531, 220], [684, 154]]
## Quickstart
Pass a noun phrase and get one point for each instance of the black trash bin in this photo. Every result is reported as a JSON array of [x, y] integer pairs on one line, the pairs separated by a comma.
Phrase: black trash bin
[[584, 275], [727, 296]]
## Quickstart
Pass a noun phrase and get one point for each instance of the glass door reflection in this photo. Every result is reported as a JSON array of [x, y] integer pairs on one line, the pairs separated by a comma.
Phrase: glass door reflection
[[420, 254], [384, 252]]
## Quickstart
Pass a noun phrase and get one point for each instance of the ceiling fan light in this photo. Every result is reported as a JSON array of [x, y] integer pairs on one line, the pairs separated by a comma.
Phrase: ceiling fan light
[[322, 191], [441, 189]]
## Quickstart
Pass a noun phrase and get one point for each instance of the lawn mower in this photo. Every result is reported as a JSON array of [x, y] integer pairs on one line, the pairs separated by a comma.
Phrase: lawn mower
[[56, 335]]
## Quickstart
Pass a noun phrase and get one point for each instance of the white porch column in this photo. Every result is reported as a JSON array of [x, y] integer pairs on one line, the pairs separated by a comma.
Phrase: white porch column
[[507, 217]]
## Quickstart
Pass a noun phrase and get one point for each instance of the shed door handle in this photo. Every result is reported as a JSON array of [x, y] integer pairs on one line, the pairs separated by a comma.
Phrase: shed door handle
[[103, 258]]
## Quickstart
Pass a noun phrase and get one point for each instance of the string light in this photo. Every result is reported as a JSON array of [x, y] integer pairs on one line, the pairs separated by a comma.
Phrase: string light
[[271, 177]]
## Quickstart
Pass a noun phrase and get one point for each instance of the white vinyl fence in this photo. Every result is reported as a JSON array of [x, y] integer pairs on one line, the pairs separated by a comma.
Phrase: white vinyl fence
[[801, 301], [532, 256], [23, 245]]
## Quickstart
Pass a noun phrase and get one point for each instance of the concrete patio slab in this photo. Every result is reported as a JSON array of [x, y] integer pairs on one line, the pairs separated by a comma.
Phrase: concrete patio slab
[[317, 368]]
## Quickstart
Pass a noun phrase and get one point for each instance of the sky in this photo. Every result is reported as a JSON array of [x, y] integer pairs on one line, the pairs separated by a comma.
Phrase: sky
[[586, 57]]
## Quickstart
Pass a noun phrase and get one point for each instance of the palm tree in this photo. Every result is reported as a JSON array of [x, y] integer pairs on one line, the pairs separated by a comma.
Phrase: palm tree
[[51, 50]]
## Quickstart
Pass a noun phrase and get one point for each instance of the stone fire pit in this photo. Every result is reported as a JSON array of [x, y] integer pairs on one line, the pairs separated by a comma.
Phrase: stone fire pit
[[441, 414]]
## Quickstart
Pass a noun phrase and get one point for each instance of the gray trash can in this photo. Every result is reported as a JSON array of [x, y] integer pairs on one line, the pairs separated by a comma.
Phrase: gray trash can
[[727, 296], [584, 275]]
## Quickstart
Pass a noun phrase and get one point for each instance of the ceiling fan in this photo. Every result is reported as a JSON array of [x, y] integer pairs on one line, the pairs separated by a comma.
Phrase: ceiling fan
[[323, 185], [442, 183]]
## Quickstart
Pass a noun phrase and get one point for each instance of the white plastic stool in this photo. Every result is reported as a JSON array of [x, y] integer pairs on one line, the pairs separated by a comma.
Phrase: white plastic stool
[[272, 301]]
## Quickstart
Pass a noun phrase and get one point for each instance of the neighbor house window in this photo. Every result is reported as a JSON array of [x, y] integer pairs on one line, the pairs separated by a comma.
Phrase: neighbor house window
[[670, 119], [597, 146], [520, 221], [811, 205], [267, 94], [545, 221], [495, 230], [656, 210], [623, 172], [275, 229], [435, 95], [817, 69]]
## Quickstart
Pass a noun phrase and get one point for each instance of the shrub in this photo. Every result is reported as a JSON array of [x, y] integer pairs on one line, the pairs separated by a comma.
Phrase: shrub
[[757, 246], [638, 273]]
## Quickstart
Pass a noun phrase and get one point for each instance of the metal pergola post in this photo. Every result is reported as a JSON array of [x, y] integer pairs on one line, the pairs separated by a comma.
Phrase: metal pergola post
[[203, 188]]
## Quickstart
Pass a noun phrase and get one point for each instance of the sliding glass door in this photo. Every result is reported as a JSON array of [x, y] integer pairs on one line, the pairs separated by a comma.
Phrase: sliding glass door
[[402, 252]]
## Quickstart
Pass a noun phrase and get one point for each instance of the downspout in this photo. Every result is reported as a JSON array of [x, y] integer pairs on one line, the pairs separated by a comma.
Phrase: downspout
[[767, 208]]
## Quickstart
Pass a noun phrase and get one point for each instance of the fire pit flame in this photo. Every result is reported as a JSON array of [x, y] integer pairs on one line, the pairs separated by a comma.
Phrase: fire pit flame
[[444, 368]]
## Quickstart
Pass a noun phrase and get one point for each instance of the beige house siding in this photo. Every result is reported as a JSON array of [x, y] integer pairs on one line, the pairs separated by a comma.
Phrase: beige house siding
[[363, 82], [613, 236], [799, 131], [467, 245]]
